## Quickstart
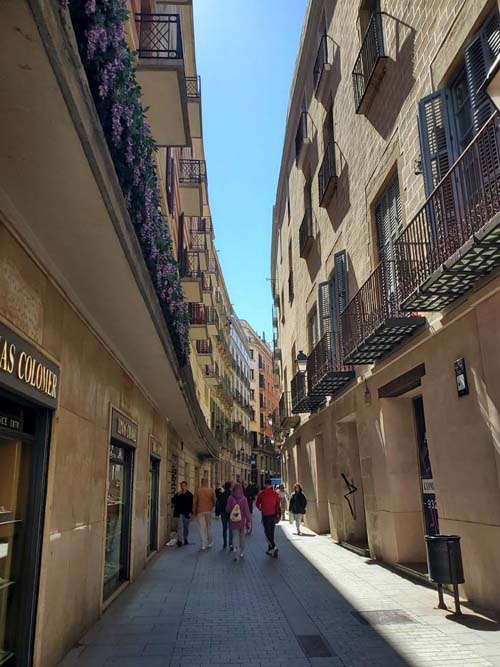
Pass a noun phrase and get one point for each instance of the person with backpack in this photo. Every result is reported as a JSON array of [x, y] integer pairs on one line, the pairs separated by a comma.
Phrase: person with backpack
[[298, 504], [220, 510], [268, 502], [239, 519]]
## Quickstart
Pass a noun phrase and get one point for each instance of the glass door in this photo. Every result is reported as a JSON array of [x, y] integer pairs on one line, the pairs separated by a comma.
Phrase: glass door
[[117, 550], [154, 477], [24, 434]]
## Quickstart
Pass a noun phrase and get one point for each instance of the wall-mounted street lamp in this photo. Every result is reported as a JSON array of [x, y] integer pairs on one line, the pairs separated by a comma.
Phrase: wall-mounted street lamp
[[270, 419], [302, 362]]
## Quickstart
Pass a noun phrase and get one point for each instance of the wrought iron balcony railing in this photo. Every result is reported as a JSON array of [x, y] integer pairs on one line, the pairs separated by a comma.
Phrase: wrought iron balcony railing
[[193, 87], [373, 322], [197, 225], [192, 171], [286, 418], [454, 239], [202, 315], [301, 400], [204, 347], [326, 374], [321, 60], [189, 265], [307, 232], [303, 133], [159, 36], [366, 70], [327, 175]]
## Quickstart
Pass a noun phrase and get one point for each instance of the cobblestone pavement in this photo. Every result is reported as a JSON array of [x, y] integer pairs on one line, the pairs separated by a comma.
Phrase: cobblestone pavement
[[314, 605]]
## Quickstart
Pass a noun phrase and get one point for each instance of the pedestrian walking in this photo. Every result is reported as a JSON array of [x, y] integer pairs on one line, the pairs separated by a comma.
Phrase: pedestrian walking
[[203, 506], [182, 502], [250, 494], [268, 502], [220, 510], [298, 504], [240, 519], [284, 499]]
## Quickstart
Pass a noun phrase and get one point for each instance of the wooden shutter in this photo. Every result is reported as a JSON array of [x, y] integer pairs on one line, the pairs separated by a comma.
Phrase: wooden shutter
[[325, 307], [479, 56], [388, 218], [340, 286], [435, 138]]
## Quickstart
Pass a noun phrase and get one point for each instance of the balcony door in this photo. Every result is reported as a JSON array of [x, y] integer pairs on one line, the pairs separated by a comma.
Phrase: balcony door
[[388, 225]]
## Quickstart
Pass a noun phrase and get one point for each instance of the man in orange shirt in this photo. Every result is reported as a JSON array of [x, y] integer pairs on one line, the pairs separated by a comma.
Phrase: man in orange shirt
[[203, 506]]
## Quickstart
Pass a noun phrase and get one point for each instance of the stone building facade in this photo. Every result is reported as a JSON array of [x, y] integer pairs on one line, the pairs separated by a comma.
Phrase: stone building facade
[[384, 269], [102, 413]]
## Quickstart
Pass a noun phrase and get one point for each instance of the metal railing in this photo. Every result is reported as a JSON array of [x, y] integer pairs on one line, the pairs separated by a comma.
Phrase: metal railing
[[372, 49], [196, 224], [201, 314], [298, 387], [325, 358], [189, 265], [307, 232], [327, 171], [373, 304], [321, 60], [204, 347], [159, 36], [206, 282], [462, 203], [302, 131], [193, 87], [192, 171]]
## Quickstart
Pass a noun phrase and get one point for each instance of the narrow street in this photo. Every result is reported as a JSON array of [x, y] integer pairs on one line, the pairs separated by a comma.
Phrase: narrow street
[[192, 608]]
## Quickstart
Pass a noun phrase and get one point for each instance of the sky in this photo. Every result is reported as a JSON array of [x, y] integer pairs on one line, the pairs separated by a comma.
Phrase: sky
[[245, 54]]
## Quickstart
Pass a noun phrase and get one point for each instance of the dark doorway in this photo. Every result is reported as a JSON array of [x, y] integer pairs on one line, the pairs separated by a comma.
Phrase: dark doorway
[[154, 484], [24, 446], [429, 501]]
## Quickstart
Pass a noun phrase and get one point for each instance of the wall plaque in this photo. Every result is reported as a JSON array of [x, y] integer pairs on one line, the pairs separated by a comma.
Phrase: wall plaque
[[27, 372], [154, 447], [123, 429], [461, 377]]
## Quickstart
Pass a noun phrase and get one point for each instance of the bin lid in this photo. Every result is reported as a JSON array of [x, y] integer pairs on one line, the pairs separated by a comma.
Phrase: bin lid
[[442, 538]]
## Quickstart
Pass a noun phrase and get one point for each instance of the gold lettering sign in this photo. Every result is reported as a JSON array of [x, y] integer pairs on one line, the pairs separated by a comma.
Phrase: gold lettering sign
[[24, 369], [126, 429], [154, 445]]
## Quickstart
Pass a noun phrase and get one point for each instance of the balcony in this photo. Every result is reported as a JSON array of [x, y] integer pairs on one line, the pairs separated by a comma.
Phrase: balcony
[[203, 320], [224, 390], [193, 186], [190, 274], [307, 233], [160, 73], [193, 93], [301, 400], [286, 418], [204, 350], [369, 68], [454, 240], [211, 374], [277, 354], [303, 138], [327, 175], [326, 374], [322, 67], [207, 289], [373, 323]]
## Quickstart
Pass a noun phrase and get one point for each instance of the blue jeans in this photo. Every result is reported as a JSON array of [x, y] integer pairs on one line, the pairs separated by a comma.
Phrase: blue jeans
[[225, 526]]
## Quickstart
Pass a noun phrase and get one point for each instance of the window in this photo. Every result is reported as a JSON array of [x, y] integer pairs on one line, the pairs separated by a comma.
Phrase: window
[[312, 329], [251, 354], [290, 274], [332, 299], [251, 374], [388, 227], [282, 307], [252, 394], [450, 117]]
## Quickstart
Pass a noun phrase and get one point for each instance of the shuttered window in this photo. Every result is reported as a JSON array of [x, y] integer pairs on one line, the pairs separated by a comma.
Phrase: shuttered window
[[449, 119], [332, 299], [388, 218], [325, 301]]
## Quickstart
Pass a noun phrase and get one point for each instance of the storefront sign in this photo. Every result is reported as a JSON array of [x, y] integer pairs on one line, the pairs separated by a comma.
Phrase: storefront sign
[[154, 447], [11, 422], [25, 371], [123, 429], [461, 377]]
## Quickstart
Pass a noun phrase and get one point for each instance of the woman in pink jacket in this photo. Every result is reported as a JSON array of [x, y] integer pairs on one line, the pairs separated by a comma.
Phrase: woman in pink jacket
[[239, 519]]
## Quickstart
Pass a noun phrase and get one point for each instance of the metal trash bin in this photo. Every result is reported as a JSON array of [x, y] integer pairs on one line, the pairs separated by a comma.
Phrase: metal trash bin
[[444, 559]]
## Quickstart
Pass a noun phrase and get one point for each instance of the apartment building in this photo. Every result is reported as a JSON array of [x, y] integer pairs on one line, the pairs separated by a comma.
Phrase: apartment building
[[384, 260], [116, 372], [264, 400]]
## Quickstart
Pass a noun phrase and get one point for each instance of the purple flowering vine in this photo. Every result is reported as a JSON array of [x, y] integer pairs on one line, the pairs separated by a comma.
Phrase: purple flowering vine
[[109, 64]]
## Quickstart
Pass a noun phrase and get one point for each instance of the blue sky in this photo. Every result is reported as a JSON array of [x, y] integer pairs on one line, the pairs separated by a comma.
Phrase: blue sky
[[245, 53]]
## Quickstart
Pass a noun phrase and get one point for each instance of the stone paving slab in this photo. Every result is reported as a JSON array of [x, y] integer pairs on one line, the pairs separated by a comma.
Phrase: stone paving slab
[[191, 608]]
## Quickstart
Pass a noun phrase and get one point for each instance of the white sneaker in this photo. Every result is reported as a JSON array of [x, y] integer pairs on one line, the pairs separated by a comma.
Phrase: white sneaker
[[203, 549], [242, 554]]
